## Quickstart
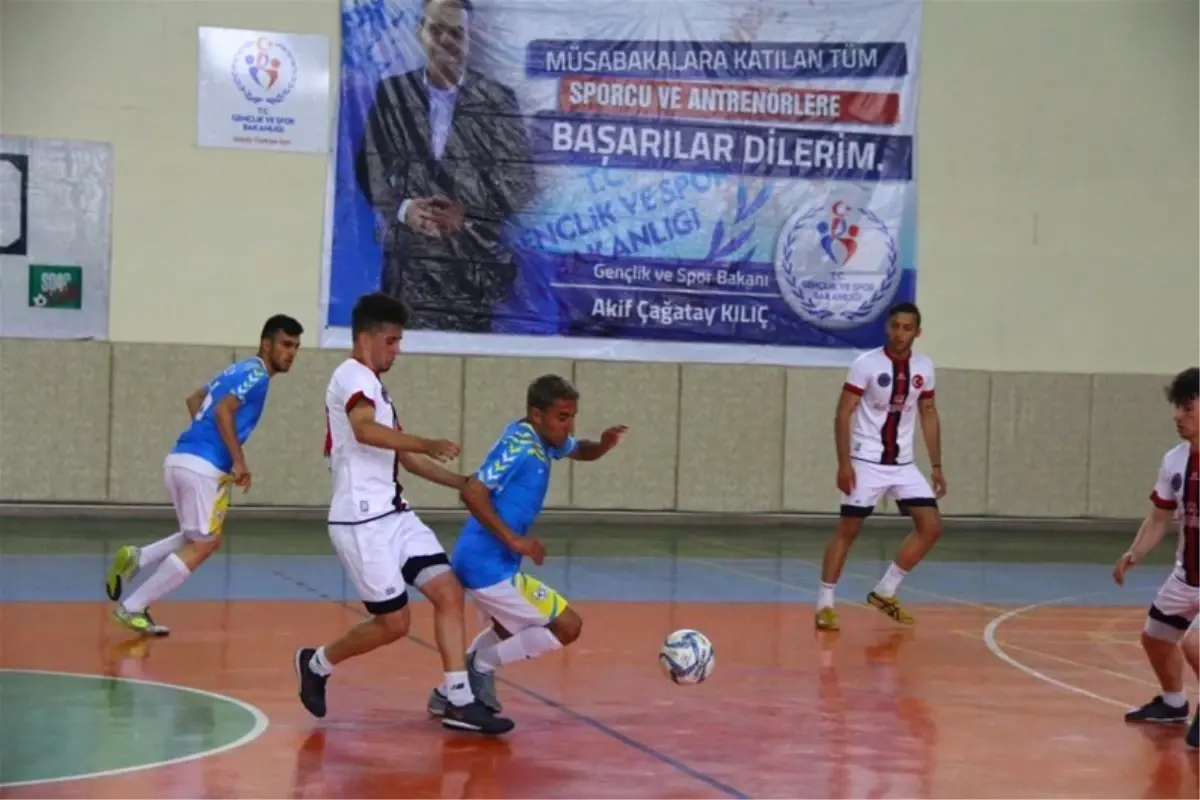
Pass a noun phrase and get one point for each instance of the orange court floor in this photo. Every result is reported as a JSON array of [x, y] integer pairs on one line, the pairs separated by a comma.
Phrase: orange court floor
[[1011, 684]]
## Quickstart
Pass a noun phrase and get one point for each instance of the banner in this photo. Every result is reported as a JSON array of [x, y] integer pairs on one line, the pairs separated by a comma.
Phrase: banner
[[704, 180], [261, 90], [55, 238]]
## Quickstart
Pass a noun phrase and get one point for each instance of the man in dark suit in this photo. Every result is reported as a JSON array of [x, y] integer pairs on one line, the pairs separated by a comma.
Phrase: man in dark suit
[[445, 160]]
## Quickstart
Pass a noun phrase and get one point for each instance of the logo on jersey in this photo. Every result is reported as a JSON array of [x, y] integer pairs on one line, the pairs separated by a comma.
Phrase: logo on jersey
[[918, 381], [1176, 482], [837, 265], [884, 380]]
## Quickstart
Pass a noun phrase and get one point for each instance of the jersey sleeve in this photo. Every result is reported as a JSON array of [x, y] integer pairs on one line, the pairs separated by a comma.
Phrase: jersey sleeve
[[858, 377], [1163, 494], [567, 449], [930, 382], [250, 385], [504, 463], [353, 385]]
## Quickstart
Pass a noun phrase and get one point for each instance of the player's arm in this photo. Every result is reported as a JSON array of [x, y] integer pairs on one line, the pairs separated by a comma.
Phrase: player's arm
[[847, 405], [425, 467], [195, 400], [931, 429], [373, 434], [477, 497], [1153, 529], [589, 450], [224, 415]]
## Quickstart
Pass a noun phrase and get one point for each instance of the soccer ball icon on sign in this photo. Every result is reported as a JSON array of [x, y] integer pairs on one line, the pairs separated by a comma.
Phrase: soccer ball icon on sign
[[687, 657]]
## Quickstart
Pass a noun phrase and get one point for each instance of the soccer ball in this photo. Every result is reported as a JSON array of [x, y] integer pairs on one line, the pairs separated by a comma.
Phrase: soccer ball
[[687, 657]]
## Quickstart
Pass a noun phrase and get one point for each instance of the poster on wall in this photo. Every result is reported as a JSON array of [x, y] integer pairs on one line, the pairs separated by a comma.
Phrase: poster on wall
[[55, 238], [263, 90], [682, 180]]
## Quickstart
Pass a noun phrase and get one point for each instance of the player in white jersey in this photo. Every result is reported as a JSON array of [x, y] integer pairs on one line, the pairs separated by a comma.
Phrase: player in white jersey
[[887, 390], [380, 540], [1169, 635]]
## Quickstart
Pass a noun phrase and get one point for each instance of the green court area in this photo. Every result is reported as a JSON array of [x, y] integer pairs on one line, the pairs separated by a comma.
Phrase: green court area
[[802, 539]]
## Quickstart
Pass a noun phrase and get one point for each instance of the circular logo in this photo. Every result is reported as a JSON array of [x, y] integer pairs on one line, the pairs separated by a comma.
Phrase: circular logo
[[1176, 482], [883, 380], [265, 71], [918, 381], [837, 265]]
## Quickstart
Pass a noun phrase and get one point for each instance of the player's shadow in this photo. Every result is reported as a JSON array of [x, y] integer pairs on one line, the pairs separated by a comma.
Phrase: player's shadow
[[1176, 770]]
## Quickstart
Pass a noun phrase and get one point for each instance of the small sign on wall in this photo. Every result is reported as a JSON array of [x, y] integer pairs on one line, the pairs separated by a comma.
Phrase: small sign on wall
[[263, 90]]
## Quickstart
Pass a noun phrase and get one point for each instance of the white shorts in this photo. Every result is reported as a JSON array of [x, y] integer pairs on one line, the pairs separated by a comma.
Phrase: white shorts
[[200, 494], [519, 603], [904, 483], [1174, 609], [384, 554]]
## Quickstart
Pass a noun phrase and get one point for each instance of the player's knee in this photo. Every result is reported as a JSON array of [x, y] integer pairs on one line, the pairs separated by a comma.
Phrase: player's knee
[[446, 594], [849, 527], [395, 624], [567, 627]]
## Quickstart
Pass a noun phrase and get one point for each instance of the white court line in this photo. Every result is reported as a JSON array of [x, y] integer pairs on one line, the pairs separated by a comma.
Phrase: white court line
[[989, 641], [261, 723]]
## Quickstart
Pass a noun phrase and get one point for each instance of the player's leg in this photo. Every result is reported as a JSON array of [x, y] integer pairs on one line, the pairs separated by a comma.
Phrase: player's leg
[[129, 560], [855, 508], [1191, 653], [370, 554], [201, 502], [427, 567], [541, 622], [915, 499], [1167, 622]]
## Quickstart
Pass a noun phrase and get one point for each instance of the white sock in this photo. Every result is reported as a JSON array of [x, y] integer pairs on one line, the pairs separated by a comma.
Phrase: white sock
[[529, 643], [157, 551], [486, 638], [169, 576], [890, 581], [825, 595], [1175, 699], [320, 664], [457, 689]]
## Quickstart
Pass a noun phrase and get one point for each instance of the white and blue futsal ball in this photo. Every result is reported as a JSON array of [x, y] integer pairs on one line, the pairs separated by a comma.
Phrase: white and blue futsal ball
[[687, 657]]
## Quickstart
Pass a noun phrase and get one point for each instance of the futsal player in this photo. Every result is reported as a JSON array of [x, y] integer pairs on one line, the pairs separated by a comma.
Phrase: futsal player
[[528, 618], [887, 390], [206, 462], [1177, 604], [380, 540]]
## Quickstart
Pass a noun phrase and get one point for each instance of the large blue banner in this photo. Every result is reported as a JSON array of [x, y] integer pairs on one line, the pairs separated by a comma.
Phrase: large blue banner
[[682, 180]]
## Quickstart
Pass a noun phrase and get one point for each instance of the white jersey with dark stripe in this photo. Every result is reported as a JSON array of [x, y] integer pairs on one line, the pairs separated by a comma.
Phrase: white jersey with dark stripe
[[882, 431], [366, 480], [1176, 490]]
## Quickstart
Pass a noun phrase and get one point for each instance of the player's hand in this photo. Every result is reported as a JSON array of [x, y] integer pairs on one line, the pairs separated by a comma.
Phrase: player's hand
[[530, 548], [1125, 563], [939, 483], [441, 449], [421, 216], [846, 479], [612, 437], [241, 475]]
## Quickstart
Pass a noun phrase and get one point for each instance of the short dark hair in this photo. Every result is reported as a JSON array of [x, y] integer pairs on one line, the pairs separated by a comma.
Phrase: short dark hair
[[466, 5], [281, 323], [376, 309], [905, 308], [1184, 388], [547, 390]]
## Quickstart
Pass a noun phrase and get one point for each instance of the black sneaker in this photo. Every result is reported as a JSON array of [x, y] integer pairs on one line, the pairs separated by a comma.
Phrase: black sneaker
[[1157, 710], [1193, 734], [477, 718], [312, 685]]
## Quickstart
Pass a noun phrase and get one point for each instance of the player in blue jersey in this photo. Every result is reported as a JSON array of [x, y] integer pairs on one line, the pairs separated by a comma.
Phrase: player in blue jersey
[[528, 618], [200, 472]]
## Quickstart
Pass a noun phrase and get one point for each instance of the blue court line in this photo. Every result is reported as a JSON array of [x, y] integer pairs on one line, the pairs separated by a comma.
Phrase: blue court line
[[579, 716]]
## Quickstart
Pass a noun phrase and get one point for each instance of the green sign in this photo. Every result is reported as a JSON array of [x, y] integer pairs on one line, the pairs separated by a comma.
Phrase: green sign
[[55, 286]]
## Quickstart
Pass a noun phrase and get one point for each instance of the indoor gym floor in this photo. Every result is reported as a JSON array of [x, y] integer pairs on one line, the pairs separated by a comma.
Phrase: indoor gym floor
[[1011, 684]]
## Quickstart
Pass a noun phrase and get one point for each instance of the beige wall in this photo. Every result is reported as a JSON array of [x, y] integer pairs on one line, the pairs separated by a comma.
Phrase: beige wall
[[702, 438]]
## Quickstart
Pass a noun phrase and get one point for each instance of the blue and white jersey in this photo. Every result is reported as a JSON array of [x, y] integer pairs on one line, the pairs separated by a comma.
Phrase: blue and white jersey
[[517, 471], [248, 381]]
